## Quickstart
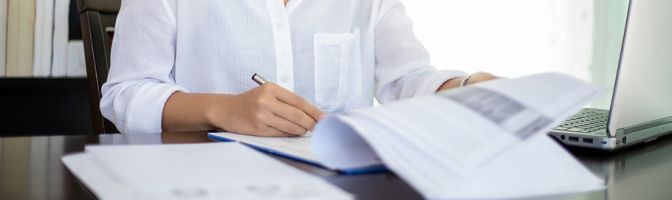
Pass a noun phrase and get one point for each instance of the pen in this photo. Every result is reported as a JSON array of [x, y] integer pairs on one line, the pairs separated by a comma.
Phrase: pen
[[260, 80]]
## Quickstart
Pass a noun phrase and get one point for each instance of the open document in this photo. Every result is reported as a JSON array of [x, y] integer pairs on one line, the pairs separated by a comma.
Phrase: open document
[[193, 171], [484, 141], [298, 149], [479, 142]]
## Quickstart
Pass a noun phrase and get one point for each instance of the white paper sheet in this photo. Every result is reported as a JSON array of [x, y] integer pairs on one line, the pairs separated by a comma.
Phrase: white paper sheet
[[298, 147], [101, 183], [348, 149], [539, 166], [468, 143], [194, 171], [301, 148]]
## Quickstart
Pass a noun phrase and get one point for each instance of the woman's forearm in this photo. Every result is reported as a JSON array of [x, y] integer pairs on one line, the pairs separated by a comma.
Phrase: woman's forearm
[[189, 112], [267, 110]]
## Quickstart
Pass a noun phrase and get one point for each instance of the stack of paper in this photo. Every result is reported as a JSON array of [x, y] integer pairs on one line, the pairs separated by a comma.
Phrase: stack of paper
[[486, 141], [196, 171]]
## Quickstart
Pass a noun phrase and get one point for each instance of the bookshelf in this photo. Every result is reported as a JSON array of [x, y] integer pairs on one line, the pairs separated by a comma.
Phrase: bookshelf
[[44, 106]]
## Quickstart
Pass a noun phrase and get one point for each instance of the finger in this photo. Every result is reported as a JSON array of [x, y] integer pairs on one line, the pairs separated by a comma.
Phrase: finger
[[286, 126], [300, 103], [294, 115]]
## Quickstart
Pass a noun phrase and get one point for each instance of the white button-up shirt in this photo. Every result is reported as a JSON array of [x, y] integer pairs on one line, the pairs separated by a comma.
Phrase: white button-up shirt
[[337, 54]]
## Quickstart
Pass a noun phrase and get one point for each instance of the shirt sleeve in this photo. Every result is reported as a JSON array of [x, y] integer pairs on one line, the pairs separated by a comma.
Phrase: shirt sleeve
[[140, 78], [402, 63]]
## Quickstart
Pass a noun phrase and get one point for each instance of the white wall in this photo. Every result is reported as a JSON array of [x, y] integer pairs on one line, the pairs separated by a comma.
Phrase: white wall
[[518, 37], [506, 37]]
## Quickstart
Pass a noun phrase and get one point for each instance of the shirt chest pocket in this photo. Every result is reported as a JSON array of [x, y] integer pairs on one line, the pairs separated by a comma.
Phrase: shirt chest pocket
[[338, 70]]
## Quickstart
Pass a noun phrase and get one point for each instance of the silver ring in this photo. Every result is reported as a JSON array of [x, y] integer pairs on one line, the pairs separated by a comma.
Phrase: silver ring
[[465, 81]]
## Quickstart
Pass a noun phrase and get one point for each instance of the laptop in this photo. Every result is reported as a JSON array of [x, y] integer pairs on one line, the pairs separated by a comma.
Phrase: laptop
[[641, 104]]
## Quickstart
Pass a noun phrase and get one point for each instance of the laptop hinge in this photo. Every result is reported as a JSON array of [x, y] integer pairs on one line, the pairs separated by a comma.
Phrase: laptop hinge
[[645, 125]]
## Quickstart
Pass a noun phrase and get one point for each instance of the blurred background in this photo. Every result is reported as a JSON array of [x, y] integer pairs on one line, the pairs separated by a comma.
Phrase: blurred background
[[43, 88], [519, 37]]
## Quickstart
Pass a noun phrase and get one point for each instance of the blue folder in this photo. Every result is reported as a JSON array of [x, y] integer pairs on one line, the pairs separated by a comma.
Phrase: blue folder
[[352, 171]]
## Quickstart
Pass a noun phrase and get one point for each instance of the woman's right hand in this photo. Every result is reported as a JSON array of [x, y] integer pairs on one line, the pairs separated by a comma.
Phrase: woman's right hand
[[268, 110]]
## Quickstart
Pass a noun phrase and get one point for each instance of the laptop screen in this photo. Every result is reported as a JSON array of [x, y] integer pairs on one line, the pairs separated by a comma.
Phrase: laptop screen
[[643, 90]]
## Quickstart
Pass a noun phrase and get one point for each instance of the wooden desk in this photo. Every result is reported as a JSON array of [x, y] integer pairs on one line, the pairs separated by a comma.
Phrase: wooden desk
[[31, 168]]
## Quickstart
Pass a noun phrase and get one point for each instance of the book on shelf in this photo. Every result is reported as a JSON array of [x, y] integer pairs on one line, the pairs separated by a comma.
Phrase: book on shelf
[[44, 26], [34, 40], [60, 48], [20, 38], [3, 36]]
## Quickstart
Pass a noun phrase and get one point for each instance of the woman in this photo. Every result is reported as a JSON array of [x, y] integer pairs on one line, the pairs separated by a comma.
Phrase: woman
[[186, 65]]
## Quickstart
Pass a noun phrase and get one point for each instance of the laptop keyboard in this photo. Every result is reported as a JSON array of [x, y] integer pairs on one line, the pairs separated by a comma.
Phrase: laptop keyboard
[[586, 121]]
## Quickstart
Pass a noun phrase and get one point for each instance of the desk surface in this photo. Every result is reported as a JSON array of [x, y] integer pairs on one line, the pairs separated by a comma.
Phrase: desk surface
[[31, 168]]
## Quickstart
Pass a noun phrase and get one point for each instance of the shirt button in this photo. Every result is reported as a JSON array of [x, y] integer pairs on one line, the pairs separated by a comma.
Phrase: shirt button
[[278, 25]]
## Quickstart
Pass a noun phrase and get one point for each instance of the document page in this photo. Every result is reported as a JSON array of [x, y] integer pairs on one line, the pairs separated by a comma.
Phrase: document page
[[301, 148], [538, 166], [436, 142], [194, 171], [298, 147]]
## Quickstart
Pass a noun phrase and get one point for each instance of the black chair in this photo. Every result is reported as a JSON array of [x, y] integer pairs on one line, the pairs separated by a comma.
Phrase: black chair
[[97, 19]]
